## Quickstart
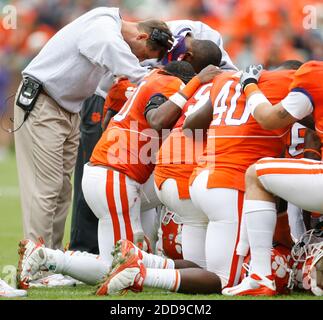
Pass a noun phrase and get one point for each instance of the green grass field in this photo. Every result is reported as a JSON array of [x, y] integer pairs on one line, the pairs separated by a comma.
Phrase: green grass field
[[11, 233]]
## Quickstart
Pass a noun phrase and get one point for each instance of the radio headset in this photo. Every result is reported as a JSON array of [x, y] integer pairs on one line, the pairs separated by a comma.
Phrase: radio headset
[[163, 38], [26, 100]]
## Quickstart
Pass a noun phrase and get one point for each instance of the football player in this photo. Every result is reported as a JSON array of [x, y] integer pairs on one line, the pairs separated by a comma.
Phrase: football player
[[234, 141], [177, 158], [297, 181], [185, 33]]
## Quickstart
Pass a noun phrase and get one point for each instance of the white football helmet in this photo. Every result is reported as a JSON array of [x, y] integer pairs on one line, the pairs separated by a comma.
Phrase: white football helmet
[[307, 254]]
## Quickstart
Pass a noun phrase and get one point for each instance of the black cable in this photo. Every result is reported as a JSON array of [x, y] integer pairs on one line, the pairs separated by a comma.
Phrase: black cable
[[10, 131]]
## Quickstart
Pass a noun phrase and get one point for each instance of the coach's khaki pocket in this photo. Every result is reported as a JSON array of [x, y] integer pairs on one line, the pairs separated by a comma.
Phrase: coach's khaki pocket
[[38, 108], [46, 110]]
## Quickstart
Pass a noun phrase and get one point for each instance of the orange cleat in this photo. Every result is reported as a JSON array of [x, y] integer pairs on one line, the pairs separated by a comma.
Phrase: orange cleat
[[128, 274], [122, 249]]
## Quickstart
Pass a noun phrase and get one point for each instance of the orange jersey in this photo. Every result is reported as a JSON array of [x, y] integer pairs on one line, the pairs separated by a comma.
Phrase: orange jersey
[[308, 80], [235, 140], [178, 154], [295, 142], [129, 144], [117, 96]]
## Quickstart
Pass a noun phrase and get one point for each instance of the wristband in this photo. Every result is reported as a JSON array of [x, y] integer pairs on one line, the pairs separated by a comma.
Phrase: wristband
[[313, 151], [191, 87], [255, 100], [250, 89], [178, 99], [249, 81]]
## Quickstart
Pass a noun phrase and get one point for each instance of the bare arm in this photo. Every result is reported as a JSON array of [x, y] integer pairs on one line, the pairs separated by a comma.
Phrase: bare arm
[[163, 117], [165, 113], [294, 107], [201, 118], [308, 122], [273, 117], [312, 145]]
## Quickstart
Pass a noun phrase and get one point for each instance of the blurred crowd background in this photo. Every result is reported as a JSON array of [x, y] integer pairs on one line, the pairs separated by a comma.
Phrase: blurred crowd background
[[254, 31]]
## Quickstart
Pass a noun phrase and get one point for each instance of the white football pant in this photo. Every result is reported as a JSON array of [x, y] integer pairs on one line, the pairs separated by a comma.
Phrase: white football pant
[[115, 200], [194, 222], [223, 207], [299, 181], [149, 198]]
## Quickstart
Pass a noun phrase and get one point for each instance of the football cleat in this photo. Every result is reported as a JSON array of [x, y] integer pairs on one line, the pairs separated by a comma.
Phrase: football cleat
[[25, 250], [122, 249], [52, 281], [253, 285], [128, 274], [8, 292], [145, 245], [281, 269]]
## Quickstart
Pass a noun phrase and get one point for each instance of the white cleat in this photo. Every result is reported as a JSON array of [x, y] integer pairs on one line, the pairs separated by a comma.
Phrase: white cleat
[[252, 285], [8, 292], [32, 260], [52, 281]]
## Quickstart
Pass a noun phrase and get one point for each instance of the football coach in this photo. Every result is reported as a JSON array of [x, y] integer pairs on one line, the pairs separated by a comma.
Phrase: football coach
[[55, 84]]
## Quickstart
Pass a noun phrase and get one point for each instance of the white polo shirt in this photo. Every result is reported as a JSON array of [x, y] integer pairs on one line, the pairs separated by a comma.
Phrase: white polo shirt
[[201, 31], [105, 85], [72, 63]]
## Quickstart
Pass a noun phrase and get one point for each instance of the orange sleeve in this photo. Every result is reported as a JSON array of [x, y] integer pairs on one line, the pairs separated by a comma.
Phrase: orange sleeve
[[117, 96], [306, 81], [275, 84], [171, 87]]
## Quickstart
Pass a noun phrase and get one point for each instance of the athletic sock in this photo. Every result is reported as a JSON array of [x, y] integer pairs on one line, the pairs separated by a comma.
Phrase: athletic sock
[[295, 221], [156, 262], [82, 266], [243, 245], [168, 279], [260, 221]]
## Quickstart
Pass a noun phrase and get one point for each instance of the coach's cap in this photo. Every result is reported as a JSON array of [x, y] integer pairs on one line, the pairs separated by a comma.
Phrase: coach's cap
[[177, 52]]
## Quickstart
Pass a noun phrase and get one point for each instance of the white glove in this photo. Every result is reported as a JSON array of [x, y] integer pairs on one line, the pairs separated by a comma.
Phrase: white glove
[[251, 75]]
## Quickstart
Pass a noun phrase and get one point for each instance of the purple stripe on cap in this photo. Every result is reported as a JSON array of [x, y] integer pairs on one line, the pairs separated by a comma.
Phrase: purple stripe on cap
[[183, 30], [175, 53]]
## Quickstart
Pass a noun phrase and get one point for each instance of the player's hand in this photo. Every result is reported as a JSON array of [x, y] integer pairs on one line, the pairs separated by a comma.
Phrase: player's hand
[[251, 75], [208, 73]]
